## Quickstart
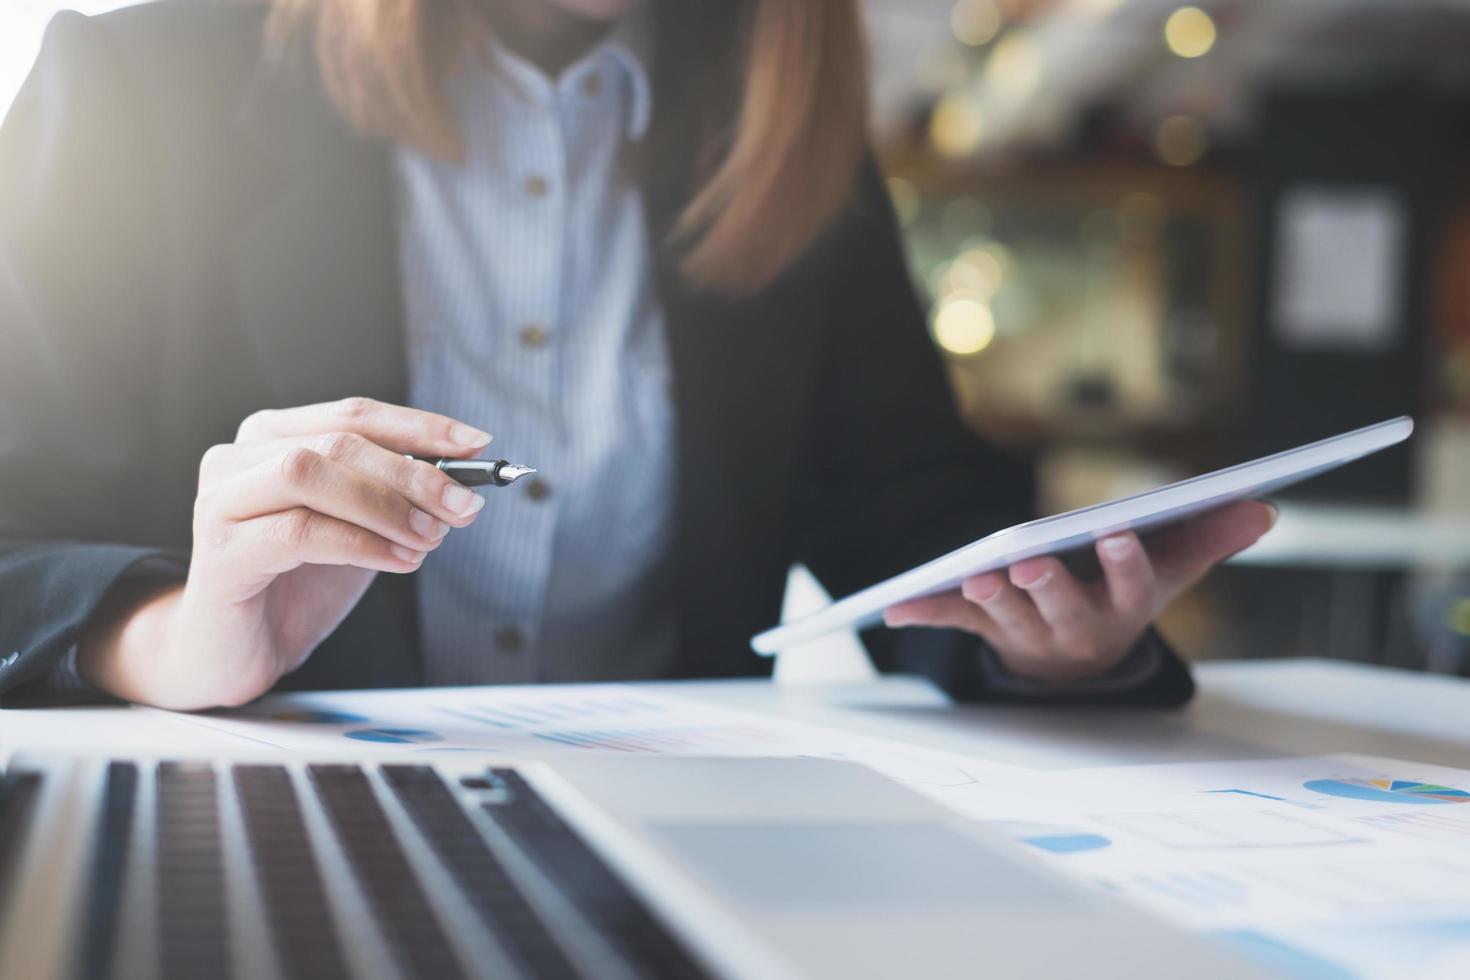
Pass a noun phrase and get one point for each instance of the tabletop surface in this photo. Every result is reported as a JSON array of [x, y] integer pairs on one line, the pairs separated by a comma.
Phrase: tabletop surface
[[1244, 710]]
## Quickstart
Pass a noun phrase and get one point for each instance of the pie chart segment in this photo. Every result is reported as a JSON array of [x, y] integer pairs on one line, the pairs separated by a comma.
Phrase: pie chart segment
[[1053, 838], [1409, 791]]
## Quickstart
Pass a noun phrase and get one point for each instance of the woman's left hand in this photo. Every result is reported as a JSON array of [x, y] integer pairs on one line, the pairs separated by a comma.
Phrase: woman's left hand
[[1046, 624]]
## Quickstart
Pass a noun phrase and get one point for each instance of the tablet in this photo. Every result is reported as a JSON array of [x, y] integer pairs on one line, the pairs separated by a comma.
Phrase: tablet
[[1074, 529]]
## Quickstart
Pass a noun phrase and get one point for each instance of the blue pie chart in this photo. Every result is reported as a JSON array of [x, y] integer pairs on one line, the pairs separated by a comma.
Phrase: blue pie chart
[[1388, 791]]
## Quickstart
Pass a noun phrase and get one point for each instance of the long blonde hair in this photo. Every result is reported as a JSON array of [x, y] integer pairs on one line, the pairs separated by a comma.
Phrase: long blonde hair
[[784, 172]]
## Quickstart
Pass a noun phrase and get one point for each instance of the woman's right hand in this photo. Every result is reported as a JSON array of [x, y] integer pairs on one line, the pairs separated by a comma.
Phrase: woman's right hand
[[291, 523]]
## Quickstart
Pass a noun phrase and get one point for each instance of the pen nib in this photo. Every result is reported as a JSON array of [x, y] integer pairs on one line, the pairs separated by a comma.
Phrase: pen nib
[[511, 472]]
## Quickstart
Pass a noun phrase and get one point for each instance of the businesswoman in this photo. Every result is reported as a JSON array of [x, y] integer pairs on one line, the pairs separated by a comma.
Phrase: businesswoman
[[252, 254]]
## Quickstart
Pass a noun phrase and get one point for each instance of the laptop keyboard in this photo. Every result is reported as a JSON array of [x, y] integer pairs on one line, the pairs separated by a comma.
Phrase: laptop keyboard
[[333, 863], [487, 885], [382, 869], [193, 935], [291, 884], [587, 880]]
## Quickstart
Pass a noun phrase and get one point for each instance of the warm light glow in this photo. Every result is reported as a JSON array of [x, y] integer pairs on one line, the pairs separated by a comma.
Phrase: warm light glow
[[954, 128], [1093, 9], [964, 325], [1014, 64], [975, 272], [975, 22], [1180, 141], [1189, 32], [905, 199]]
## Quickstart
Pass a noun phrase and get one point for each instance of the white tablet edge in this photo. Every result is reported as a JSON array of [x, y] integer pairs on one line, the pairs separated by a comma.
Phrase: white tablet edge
[[1061, 532]]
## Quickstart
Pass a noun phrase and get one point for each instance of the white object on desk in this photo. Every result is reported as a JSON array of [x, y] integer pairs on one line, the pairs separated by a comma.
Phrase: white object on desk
[[837, 658]]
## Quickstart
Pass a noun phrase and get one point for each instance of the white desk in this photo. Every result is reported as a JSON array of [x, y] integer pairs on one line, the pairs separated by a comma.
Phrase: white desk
[[1245, 709]]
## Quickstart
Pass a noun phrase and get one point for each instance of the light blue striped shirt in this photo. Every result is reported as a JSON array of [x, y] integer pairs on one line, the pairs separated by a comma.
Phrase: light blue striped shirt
[[531, 312]]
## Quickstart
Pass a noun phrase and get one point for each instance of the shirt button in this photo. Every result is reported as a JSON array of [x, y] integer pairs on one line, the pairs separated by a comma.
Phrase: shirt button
[[592, 85], [510, 640], [537, 489], [536, 186], [533, 336]]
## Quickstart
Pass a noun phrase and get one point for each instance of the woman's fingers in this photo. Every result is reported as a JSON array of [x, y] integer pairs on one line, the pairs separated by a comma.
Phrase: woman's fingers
[[1062, 604], [1012, 611], [305, 478], [403, 430], [1132, 585], [948, 609], [421, 484], [1185, 552], [274, 544]]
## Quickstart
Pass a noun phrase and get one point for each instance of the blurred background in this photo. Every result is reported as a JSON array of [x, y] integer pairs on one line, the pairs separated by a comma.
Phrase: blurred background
[[1157, 238]]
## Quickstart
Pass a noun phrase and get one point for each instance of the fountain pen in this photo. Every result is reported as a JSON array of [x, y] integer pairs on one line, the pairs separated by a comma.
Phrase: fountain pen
[[478, 472]]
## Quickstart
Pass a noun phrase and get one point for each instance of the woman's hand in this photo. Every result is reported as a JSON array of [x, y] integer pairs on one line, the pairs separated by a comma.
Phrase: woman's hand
[[1046, 624], [291, 523]]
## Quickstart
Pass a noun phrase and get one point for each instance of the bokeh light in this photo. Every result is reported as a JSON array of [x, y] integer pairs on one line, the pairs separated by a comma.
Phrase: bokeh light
[[1014, 65], [964, 325], [975, 22], [1189, 32], [955, 126]]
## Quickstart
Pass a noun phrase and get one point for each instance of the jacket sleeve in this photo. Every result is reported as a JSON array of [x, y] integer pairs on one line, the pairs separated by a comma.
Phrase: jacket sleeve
[[896, 478], [78, 278]]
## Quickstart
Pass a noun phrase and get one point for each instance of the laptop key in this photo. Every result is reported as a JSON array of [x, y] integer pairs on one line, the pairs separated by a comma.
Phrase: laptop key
[[405, 917], [109, 866], [588, 883], [306, 940], [193, 927], [492, 893]]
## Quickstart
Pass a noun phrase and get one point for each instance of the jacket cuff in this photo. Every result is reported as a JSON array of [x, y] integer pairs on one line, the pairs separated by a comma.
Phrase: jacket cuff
[[1139, 666], [64, 585]]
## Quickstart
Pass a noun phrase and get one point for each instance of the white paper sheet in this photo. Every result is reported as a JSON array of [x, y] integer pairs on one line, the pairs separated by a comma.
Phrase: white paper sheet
[[546, 721], [1330, 866]]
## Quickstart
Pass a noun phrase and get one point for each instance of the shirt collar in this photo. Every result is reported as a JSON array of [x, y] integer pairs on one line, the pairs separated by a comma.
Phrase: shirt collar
[[628, 46]]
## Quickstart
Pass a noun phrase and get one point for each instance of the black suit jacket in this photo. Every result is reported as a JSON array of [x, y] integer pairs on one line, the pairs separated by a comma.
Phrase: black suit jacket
[[189, 233]]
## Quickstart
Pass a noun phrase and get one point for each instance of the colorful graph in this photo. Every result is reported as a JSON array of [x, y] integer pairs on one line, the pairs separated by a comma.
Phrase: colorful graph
[[394, 736], [1049, 837], [1388, 790], [315, 716]]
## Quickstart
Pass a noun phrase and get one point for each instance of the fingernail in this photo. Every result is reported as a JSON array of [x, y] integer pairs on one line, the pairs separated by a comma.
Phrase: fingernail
[[468, 435], [426, 526], [1037, 582], [461, 501], [406, 554], [893, 618], [1275, 513], [982, 589], [1116, 549]]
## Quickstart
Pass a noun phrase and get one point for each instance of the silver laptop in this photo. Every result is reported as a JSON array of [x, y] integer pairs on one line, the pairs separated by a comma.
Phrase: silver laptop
[[463, 866]]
